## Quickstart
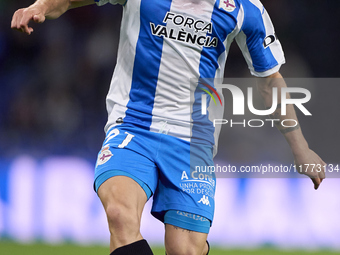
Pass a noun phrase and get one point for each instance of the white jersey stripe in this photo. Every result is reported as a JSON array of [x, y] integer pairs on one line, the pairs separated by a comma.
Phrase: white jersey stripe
[[118, 96], [184, 65]]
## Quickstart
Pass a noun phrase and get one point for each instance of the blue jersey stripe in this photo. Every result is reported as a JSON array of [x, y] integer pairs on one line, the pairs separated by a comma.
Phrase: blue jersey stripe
[[148, 54], [255, 31], [223, 24]]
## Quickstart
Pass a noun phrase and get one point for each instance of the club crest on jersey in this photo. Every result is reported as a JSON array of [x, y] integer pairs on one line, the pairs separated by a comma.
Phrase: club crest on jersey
[[104, 155], [227, 5]]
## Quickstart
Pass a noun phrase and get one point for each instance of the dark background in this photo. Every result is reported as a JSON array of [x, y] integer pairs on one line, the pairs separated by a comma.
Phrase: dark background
[[53, 83]]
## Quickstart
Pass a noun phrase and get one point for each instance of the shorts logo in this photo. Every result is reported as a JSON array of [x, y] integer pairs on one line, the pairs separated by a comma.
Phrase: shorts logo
[[204, 200], [228, 5], [104, 156]]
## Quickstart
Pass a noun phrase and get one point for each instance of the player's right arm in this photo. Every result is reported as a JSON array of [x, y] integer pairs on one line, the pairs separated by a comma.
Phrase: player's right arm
[[264, 55], [42, 9]]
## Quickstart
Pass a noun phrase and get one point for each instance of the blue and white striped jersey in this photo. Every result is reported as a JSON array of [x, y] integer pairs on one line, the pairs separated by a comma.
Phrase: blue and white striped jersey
[[164, 44]]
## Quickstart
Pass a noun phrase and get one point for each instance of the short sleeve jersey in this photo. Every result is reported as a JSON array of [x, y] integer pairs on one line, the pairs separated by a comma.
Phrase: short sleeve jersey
[[164, 44]]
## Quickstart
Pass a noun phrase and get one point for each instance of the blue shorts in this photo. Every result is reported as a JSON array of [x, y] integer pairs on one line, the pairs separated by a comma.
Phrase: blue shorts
[[166, 167]]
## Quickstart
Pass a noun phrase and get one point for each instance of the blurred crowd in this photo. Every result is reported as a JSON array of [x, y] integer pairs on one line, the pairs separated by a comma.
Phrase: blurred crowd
[[53, 83]]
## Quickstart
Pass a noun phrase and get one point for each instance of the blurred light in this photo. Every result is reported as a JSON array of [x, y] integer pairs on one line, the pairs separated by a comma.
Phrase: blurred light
[[53, 200]]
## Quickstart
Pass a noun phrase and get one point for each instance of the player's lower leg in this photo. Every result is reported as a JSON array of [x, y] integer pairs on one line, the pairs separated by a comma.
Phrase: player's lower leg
[[123, 212], [179, 241], [205, 251]]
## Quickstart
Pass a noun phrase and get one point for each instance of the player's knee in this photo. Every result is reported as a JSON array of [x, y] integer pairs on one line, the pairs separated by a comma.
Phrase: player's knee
[[121, 218]]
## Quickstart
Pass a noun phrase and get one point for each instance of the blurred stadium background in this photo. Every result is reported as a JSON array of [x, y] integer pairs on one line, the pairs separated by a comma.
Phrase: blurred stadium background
[[52, 112]]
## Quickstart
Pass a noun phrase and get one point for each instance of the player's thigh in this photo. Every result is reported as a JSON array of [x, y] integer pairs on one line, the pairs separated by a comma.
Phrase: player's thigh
[[182, 241], [125, 174], [122, 194]]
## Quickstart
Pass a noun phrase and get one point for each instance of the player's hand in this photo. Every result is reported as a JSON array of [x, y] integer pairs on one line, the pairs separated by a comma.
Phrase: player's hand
[[22, 17], [307, 159]]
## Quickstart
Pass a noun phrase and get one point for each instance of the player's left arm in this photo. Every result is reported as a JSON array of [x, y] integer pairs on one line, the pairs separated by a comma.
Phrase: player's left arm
[[41, 10], [303, 155]]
